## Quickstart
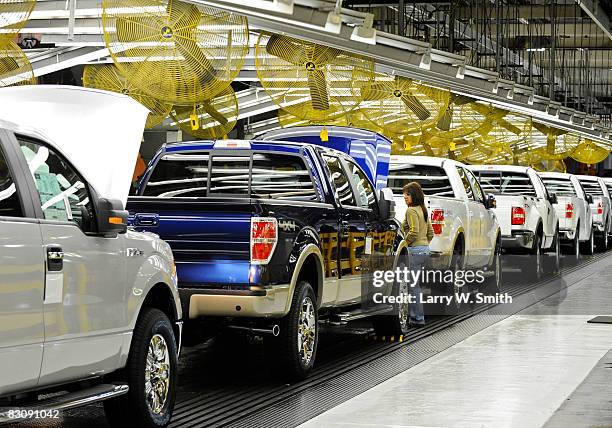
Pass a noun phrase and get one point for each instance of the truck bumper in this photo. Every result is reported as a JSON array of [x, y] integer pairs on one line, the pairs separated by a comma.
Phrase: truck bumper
[[519, 240], [269, 302], [598, 226], [567, 234]]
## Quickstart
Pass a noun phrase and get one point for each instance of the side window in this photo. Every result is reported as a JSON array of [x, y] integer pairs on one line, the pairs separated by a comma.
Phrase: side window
[[230, 175], [466, 183], [281, 177], [365, 191], [179, 175], [62, 191], [478, 193], [9, 200], [342, 186]]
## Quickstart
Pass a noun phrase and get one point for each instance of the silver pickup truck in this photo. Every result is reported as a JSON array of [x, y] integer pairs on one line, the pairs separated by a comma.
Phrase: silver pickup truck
[[89, 310]]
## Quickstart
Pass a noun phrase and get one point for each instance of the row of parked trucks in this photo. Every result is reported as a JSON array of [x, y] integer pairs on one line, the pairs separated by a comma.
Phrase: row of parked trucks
[[267, 237]]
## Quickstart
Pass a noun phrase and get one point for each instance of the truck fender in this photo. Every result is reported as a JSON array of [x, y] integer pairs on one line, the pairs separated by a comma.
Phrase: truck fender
[[155, 271], [301, 251]]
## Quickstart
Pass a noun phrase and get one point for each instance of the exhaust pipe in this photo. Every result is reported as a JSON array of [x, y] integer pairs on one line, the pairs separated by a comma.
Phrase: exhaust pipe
[[274, 331]]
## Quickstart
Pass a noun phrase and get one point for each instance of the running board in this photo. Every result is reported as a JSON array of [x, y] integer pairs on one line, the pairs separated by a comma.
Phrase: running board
[[344, 317], [66, 401]]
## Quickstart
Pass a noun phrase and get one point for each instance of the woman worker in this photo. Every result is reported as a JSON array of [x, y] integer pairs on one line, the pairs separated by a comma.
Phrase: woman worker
[[418, 234]]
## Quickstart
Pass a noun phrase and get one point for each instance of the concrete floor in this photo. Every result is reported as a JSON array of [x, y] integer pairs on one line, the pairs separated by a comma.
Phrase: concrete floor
[[516, 373]]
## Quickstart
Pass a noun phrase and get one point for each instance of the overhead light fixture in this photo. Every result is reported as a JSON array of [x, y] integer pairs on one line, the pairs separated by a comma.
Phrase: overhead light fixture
[[510, 94], [334, 19], [365, 33], [531, 99], [460, 71], [495, 87], [535, 49], [425, 60]]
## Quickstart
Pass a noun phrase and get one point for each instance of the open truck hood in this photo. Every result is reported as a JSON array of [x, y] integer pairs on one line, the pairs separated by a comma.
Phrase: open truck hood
[[99, 131]]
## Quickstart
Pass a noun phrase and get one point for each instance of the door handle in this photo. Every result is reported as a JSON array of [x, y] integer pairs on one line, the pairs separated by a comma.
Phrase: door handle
[[146, 220], [55, 258]]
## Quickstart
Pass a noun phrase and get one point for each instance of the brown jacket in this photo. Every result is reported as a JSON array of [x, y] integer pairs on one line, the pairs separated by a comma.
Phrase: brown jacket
[[417, 231]]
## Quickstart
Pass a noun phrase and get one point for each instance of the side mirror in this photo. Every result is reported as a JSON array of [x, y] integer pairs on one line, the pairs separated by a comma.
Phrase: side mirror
[[589, 198], [490, 202], [386, 204], [112, 218], [552, 198]]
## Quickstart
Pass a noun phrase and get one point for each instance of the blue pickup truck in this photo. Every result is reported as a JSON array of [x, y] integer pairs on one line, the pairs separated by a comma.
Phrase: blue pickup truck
[[270, 237]]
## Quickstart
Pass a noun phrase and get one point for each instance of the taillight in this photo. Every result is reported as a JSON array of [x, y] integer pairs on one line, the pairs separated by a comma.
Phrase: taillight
[[264, 235], [518, 216], [599, 208], [437, 220], [569, 210]]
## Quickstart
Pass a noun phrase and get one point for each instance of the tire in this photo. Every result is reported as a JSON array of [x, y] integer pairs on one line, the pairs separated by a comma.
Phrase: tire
[[492, 284], [137, 408], [536, 266], [553, 259], [451, 288], [576, 243], [397, 323], [297, 364], [603, 241], [588, 247]]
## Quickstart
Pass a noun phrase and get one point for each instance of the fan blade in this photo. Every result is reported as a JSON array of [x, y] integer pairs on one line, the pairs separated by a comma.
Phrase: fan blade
[[377, 92], [444, 123], [214, 113], [7, 65], [481, 109], [510, 127], [416, 106], [323, 54], [288, 49], [318, 90], [461, 100]]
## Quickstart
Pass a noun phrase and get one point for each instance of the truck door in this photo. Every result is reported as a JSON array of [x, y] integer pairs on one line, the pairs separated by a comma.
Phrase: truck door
[[21, 278], [84, 309], [352, 236], [472, 244], [486, 239]]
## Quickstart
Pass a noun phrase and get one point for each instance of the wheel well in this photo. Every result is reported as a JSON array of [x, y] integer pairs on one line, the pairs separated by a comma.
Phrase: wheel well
[[159, 297], [311, 272], [459, 243]]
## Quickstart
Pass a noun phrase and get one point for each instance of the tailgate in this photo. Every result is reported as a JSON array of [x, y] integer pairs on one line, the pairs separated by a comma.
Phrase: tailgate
[[560, 210], [504, 211], [210, 239]]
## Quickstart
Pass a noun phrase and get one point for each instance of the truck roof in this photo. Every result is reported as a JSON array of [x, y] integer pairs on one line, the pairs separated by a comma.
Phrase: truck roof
[[275, 146], [505, 168], [422, 160], [564, 175], [588, 177]]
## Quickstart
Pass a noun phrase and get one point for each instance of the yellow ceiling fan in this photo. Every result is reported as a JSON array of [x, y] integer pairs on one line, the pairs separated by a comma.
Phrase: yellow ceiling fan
[[15, 68], [184, 53], [310, 81], [13, 16]]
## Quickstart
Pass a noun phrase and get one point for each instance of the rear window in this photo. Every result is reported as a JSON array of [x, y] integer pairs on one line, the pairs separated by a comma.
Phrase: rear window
[[179, 175], [559, 186], [271, 176], [506, 183], [432, 179], [591, 187]]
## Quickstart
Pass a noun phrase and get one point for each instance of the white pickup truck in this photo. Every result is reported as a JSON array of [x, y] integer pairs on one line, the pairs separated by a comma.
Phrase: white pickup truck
[[573, 211], [525, 212], [463, 223], [601, 208]]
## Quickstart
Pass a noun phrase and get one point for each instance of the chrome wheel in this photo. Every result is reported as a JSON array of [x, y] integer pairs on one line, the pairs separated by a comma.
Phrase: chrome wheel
[[157, 374], [306, 330]]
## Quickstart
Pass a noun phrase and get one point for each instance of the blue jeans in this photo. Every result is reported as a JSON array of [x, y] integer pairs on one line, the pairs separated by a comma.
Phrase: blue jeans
[[418, 259]]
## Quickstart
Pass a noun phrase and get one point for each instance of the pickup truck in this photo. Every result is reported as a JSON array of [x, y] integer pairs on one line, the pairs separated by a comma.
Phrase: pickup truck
[[573, 211], [90, 310], [464, 223], [525, 213], [601, 208], [268, 237]]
